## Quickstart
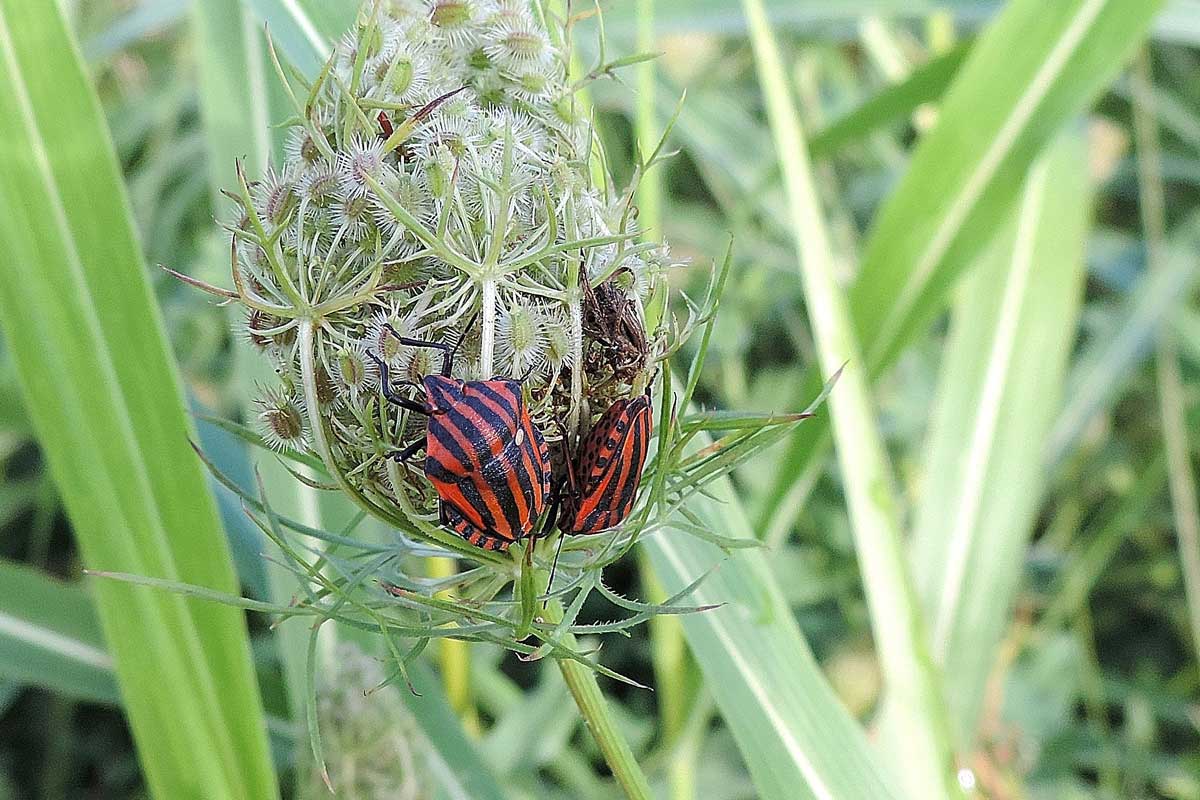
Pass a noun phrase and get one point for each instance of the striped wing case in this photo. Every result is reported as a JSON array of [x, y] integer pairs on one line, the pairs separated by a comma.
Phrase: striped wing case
[[486, 459], [611, 458]]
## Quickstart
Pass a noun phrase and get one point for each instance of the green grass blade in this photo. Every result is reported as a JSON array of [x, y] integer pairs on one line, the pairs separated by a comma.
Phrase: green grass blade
[[968, 170], [1172, 401], [892, 104], [234, 75], [1012, 330], [50, 636], [795, 736], [1034, 68], [1106, 364], [105, 399], [923, 750], [305, 30]]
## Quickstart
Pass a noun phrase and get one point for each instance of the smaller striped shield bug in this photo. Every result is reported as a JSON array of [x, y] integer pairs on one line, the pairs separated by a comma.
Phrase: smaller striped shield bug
[[602, 482], [486, 460]]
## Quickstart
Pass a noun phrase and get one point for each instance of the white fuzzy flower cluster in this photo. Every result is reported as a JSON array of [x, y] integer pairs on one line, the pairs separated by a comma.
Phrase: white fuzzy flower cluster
[[438, 185], [373, 748]]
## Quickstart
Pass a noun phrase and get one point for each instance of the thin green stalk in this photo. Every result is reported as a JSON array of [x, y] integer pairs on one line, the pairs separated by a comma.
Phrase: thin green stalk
[[594, 708], [1172, 410], [587, 695], [649, 190], [923, 741], [1092, 678], [667, 647]]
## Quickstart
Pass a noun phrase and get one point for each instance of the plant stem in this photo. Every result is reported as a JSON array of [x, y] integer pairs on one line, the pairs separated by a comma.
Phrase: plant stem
[[487, 347], [581, 681], [668, 649], [1172, 408], [594, 708], [649, 190]]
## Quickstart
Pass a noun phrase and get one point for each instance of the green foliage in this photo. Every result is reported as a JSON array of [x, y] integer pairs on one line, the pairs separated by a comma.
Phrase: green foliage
[[104, 397], [976, 515], [972, 235], [50, 636]]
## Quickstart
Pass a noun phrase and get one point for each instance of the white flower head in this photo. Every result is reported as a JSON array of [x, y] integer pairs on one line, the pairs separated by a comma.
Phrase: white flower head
[[514, 40], [319, 186], [354, 372], [491, 183], [386, 330], [559, 351], [358, 163], [458, 21], [300, 148], [521, 336], [353, 216], [274, 196], [281, 419]]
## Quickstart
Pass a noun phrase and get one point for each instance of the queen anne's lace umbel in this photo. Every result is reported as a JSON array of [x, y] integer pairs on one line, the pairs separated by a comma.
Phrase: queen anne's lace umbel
[[438, 183]]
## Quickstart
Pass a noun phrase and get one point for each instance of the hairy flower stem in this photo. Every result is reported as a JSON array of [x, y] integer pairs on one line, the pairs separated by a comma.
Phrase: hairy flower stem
[[577, 359], [581, 681], [487, 347]]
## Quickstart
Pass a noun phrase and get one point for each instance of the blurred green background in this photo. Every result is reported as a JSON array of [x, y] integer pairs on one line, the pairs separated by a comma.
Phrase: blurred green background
[[1008, 197]]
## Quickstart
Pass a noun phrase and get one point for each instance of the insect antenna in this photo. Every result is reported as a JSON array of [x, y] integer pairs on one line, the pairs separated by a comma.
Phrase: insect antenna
[[448, 359], [554, 567]]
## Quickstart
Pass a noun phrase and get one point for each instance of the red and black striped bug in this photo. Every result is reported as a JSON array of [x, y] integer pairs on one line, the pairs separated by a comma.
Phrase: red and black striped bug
[[487, 461], [601, 484]]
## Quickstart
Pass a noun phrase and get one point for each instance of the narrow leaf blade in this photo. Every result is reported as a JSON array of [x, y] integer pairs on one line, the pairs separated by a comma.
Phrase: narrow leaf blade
[[105, 399]]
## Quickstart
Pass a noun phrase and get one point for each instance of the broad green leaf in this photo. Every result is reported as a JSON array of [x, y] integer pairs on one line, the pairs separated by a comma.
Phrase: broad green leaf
[[1012, 329], [106, 402], [922, 750], [50, 636], [1034, 68]]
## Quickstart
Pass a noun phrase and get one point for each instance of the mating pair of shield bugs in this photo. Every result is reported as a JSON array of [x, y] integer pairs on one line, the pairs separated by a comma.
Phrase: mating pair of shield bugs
[[490, 465]]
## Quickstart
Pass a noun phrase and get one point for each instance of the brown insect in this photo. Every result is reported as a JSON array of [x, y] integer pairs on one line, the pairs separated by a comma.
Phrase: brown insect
[[612, 323]]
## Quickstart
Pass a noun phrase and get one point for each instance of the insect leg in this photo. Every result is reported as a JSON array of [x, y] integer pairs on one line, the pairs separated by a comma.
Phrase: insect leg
[[401, 456], [385, 383], [448, 351]]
